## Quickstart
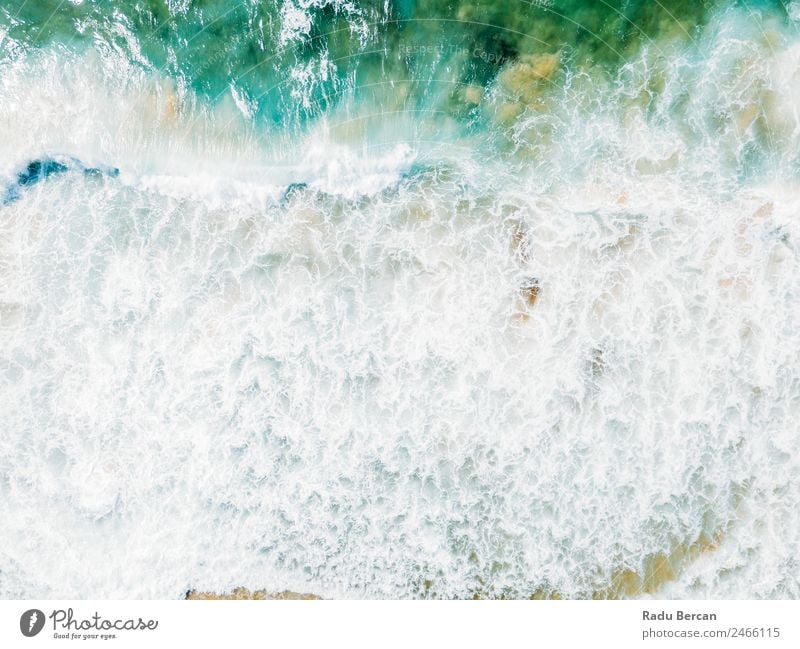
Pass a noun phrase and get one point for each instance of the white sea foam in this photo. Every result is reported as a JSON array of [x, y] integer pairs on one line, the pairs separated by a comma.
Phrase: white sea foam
[[297, 18], [207, 382]]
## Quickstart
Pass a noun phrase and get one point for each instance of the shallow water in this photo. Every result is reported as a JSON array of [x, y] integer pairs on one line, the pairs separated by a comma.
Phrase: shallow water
[[398, 300]]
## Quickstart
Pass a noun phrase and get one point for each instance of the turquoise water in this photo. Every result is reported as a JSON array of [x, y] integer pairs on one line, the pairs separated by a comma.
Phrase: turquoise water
[[255, 45], [399, 299]]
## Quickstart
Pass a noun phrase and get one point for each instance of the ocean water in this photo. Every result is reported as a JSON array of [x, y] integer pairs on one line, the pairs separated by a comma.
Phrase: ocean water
[[400, 299]]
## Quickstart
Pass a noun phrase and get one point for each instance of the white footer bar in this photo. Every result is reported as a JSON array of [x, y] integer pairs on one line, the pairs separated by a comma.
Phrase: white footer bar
[[406, 624]]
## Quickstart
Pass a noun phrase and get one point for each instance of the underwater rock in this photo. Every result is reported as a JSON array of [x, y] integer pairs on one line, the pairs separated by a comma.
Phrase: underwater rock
[[473, 94], [745, 117], [507, 113], [627, 241], [765, 210], [524, 80], [520, 244], [659, 569], [529, 294], [244, 593], [522, 85], [530, 291], [656, 571]]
